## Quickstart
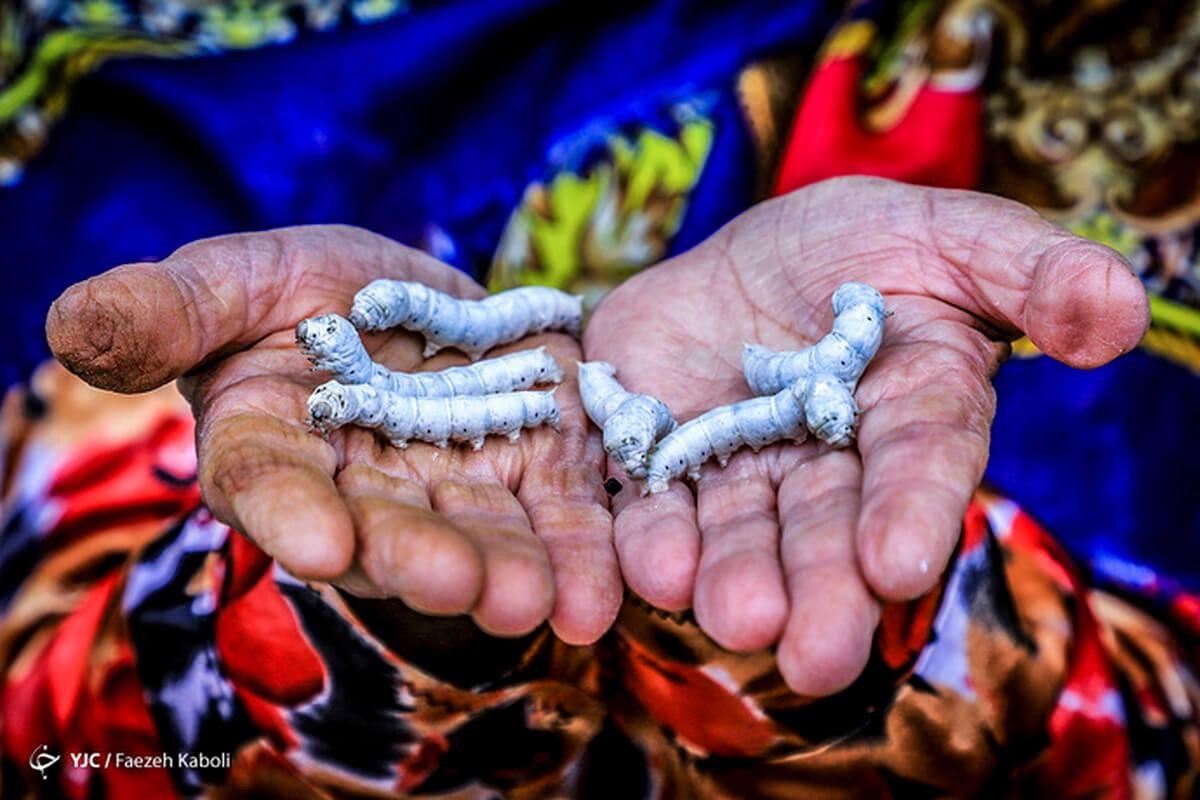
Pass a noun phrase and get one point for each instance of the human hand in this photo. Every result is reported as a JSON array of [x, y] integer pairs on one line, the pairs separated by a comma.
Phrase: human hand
[[513, 534], [796, 545]]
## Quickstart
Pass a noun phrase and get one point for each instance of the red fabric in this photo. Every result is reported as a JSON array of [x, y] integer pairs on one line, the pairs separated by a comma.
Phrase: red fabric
[[105, 485], [258, 622], [938, 142], [1088, 754], [697, 708]]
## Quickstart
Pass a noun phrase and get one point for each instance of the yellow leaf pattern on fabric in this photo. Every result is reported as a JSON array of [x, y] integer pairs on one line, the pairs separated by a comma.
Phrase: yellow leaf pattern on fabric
[[588, 232], [1107, 230]]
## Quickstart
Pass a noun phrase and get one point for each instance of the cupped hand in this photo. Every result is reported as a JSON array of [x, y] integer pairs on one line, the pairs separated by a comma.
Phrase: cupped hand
[[797, 545], [513, 534]]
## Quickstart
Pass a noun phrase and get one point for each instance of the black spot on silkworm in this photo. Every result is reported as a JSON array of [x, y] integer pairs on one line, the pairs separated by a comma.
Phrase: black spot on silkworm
[[613, 486]]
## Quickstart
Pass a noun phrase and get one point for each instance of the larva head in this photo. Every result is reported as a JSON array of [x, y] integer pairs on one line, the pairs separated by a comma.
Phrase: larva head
[[831, 411], [862, 327], [327, 406], [655, 483], [378, 301], [324, 335], [853, 293], [628, 445]]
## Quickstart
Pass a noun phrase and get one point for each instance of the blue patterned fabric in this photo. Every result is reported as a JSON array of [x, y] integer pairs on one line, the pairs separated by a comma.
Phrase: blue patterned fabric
[[438, 116]]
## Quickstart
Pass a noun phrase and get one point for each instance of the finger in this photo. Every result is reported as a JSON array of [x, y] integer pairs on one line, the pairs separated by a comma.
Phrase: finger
[[658, 544], [832, 618], [1001, 261], [577, 533], [740, 599], [405, 548], [141, 325], [923, 455], [273, 481], [1078, 300], [518, 583], [563, 493]]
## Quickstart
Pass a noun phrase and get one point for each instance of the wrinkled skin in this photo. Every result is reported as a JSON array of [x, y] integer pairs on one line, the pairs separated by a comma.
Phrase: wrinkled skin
[[514, 534], [796, 545], [793, 545]]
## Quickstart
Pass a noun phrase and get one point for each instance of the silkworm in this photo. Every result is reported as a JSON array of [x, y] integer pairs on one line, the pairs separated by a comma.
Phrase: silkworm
[[631, 422], [822, 404], [332, 343], [473, 326], [440, 420], [844, 352]]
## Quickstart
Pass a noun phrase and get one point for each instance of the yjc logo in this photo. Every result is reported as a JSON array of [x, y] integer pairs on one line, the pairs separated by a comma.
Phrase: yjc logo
[[42, 759]]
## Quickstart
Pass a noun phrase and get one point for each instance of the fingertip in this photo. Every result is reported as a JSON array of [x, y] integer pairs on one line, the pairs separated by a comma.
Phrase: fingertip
[[102, 330], [581, 617], [274, 483], [659, 550], [314, 545], [518, 595], [741, 602], [904, 546], [827, 641], [426, 563], [578, 537], [588, 585], [452, 582], [1086, 306]]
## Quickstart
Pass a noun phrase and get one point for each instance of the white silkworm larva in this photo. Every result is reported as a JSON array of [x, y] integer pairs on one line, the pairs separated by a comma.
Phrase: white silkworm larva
[[332, 343], [473, 326], [844, 352], [631, 422], [440, 420], [822, 404]]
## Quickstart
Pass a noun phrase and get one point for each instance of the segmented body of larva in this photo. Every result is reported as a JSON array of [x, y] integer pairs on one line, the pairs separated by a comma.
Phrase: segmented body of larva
[[631, 422], [440, 420], [844, 352], [473, 326], [822, 404], [332, 343]]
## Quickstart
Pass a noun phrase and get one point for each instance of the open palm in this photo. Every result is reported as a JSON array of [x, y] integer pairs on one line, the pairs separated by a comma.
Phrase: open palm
[[514, 534], [795, 545]]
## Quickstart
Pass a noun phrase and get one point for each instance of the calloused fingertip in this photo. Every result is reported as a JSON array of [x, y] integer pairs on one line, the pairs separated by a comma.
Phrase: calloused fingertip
[[1086, 306]]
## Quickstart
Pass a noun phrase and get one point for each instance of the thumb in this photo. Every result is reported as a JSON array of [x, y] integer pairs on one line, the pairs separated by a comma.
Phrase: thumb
[[139, 326], [1078, 300], [1084, 305]]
